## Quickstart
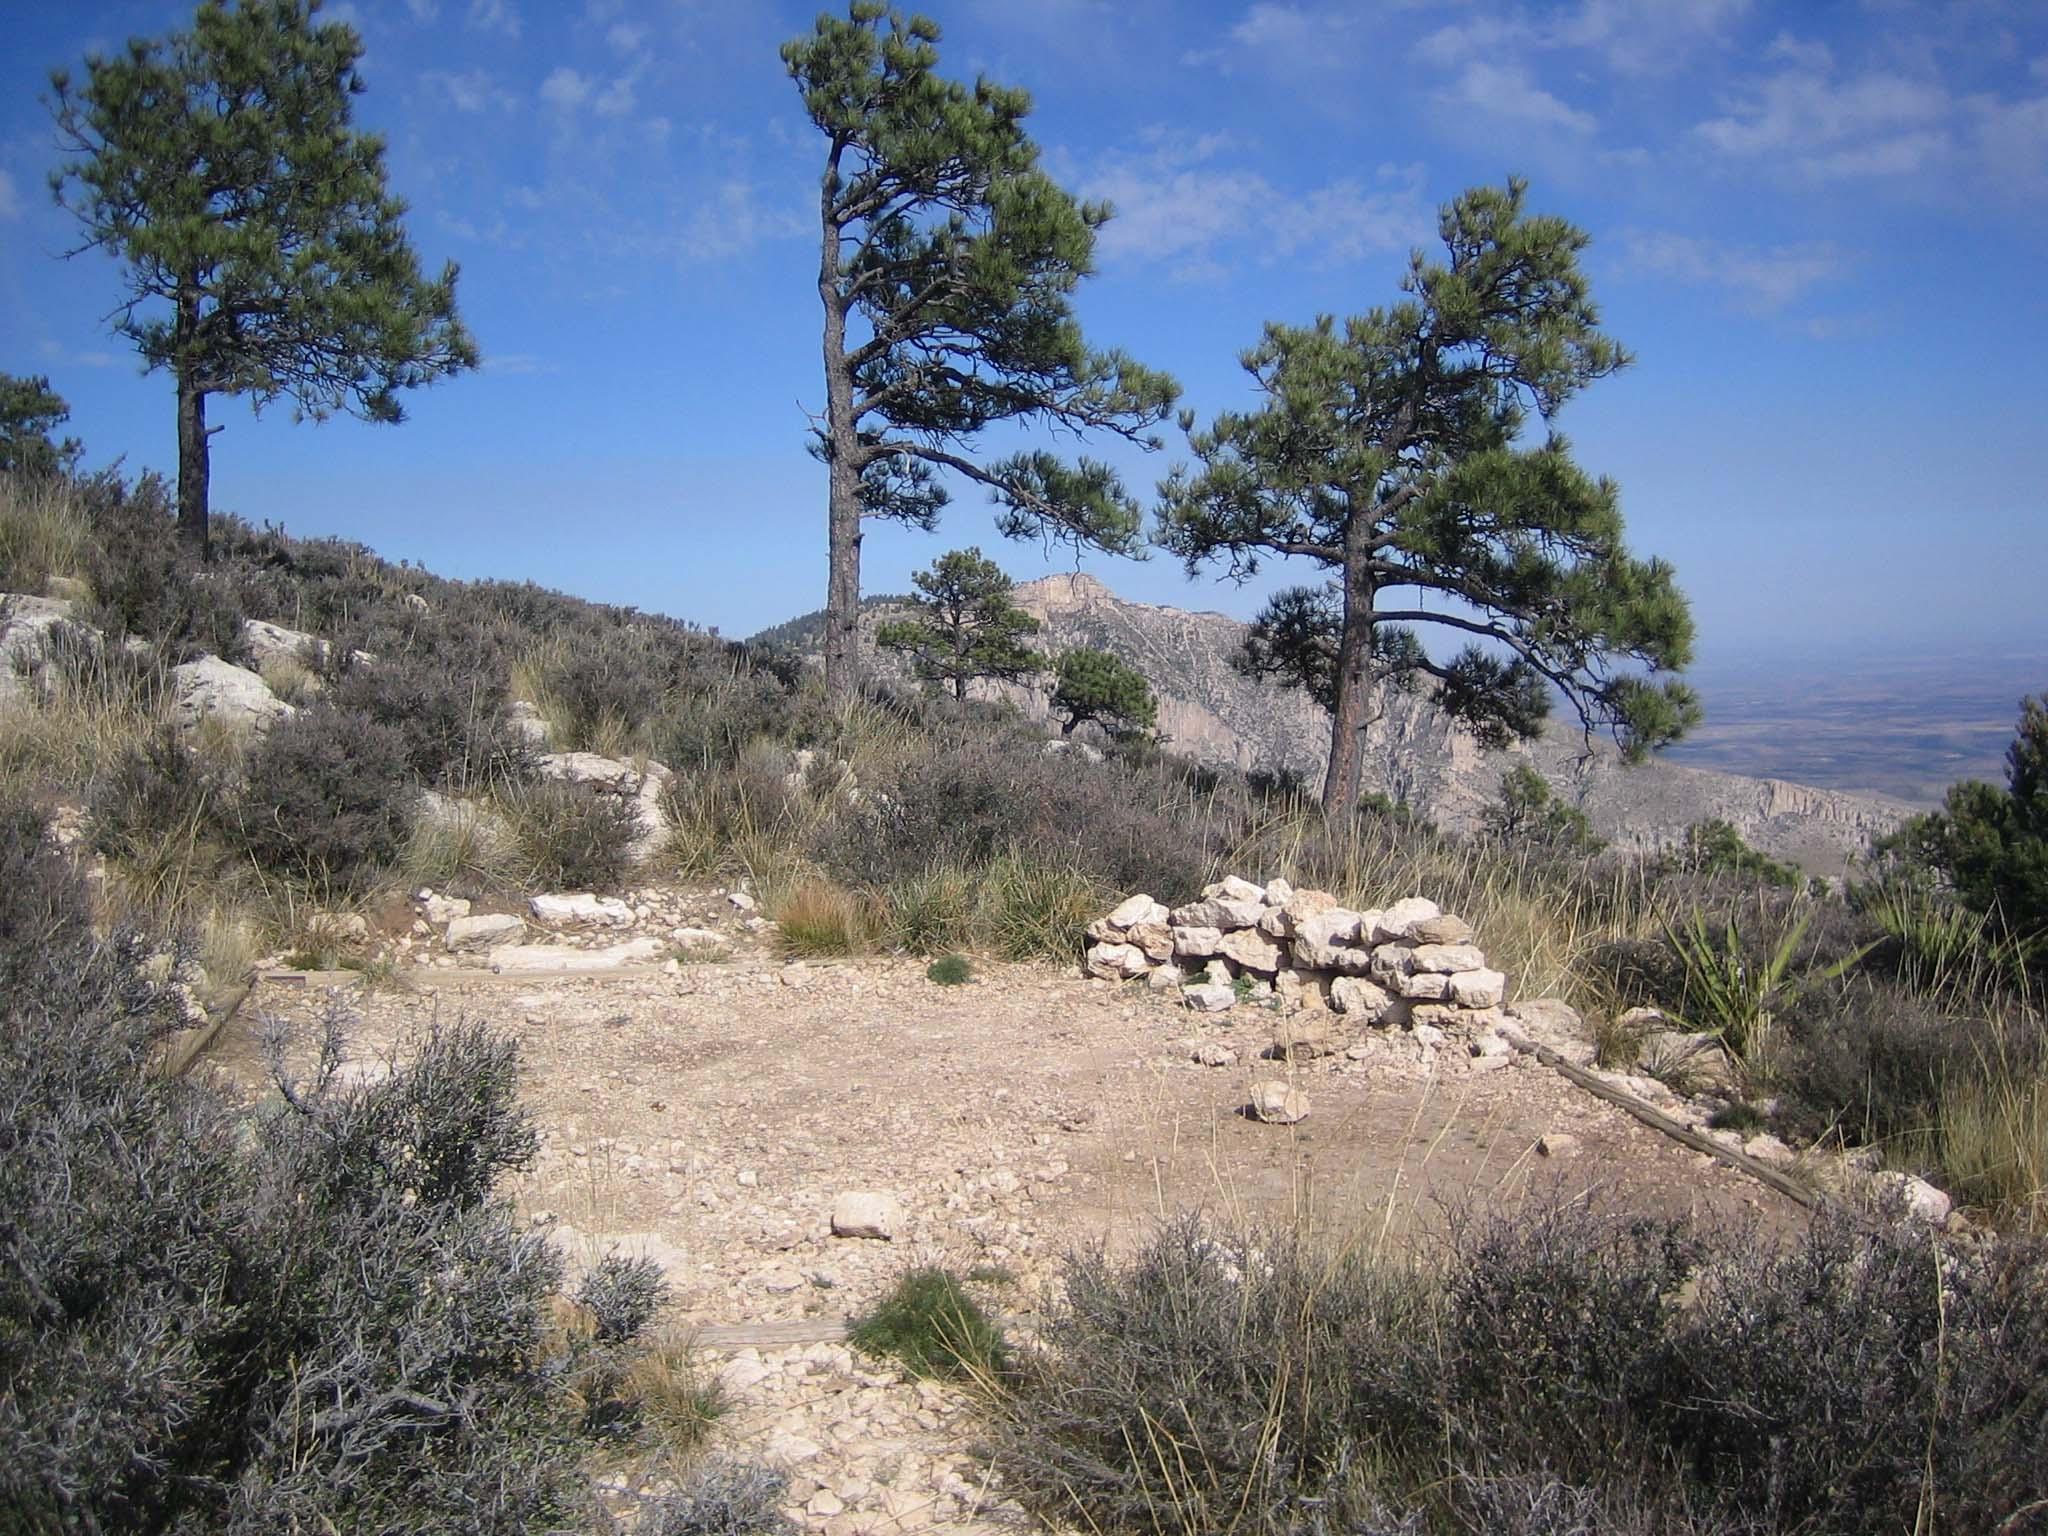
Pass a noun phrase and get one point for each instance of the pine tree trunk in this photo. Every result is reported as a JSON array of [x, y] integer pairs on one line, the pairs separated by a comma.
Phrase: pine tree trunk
[[842, 445], [193, 468], [1346, 777]]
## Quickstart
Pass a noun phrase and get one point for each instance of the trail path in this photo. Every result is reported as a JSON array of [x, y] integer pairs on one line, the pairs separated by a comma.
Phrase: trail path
[[709, 1118]]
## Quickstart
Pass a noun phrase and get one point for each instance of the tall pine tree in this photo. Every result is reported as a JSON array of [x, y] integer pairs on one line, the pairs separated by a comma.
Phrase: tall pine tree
[[1390, 452], [947, 261], [264, 255]]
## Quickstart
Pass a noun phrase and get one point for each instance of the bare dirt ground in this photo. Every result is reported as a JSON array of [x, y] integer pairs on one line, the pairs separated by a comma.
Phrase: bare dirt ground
[[709, 1117]]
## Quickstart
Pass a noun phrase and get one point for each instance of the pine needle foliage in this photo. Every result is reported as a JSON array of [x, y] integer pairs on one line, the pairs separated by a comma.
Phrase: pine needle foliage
[[1392, 452], [264, 255]]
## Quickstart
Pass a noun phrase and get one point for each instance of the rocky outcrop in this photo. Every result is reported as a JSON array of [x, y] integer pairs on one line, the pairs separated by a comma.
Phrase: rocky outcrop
[[1416, 754]]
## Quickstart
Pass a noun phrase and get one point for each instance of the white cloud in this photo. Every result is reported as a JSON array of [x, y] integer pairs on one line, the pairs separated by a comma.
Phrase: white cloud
[[1175, 206], [1644, 37], [1759, 279], [565, 89], [624, 37], [10, 200], [472, 91], [499, 16], [1284, 38], [735, 221], [423, 11], [1876, 124], [616, 99], [1805, 53], [1507, 91]]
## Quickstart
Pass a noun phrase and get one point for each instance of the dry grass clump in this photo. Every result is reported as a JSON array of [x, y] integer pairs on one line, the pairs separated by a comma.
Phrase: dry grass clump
[[43, 533], [816, 918]]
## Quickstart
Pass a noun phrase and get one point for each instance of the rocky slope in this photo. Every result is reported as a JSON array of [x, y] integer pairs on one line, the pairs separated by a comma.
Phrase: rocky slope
[[1210, 713]]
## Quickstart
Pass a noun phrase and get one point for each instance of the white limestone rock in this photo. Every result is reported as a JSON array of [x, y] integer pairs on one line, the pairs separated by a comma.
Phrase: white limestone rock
[[487, 930], [580, 909], [1138, 909], [1277, 1103], [568, 960], [1446, 959], [1478, 989], [1196, 943], [1210, 997], [1252, 950], [867, 1214], [1117, 962], [1398, 921], [211, 689], [1355, 997]]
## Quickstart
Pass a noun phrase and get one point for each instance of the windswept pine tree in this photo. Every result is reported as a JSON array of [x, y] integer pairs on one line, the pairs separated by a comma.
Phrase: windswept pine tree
[[1392, 453], [264, 255], [947, 264], [1095, 685]]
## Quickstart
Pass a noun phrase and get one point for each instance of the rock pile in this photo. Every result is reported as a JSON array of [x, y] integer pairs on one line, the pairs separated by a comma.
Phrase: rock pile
[[1410, 966]]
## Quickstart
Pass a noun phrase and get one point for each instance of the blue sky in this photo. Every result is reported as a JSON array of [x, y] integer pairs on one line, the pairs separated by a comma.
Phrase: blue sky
[[1819, 225]]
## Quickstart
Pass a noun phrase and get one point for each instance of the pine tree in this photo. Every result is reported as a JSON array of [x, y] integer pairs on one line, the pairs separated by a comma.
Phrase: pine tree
[[264, 255], [1390, 452], [29, 412], [1094, 685], [946, 267], [966, 626]]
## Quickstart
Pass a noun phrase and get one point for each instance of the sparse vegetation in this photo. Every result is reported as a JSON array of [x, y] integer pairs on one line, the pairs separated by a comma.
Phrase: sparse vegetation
[[950, 971], [930, 1325], [1637, 1376]]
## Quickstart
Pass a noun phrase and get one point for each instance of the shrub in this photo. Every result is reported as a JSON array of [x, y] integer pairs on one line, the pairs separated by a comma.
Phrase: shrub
[[965, 804], [147, 583], [327, 798], [932, 1327], [1990, 845], [454, 725], [1716, 848], [723, 1497], [574, 836], [1559, 1366], [157, 811], [318, 1317], [950, 971]]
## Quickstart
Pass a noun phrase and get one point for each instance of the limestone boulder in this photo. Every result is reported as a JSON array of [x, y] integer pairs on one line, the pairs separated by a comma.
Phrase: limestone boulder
[[1478, 989], [1444, 929], [1155, 939], [525, 719], [1210, 997], [1302, 1037], [1117, 962], [1252, 950], [1424, 987], [1355, 997], [487, 930], [212, 689], [1196, 943], [1915, 1196], [867, 1214], [25, 625], [1446, 959], [1219, 912], [1398, 921], [580, 909], [1278, 1103], [1138, 909], [1232, 888], [269, 643]]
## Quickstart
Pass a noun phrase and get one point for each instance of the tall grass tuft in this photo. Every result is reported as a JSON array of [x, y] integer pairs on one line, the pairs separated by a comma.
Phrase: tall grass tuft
[[817, 919]]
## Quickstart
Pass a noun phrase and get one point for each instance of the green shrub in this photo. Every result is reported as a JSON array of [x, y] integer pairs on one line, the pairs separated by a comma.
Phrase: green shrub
[[327, 798], [1990, 844], [932, 1327], [1560, 1370], [950, 971], [316, 1317], [454, 725], [574, 836], [1716, 848]]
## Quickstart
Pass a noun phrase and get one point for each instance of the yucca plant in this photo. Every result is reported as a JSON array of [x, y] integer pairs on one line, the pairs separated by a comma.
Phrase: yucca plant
[[1724, 994]]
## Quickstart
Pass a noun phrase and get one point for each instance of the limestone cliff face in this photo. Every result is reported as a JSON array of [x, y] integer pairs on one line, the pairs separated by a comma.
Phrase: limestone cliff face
[[1207, 711]]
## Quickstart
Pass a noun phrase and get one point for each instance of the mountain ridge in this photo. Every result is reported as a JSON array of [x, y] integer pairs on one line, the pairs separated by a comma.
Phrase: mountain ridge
[[1415, 754]]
